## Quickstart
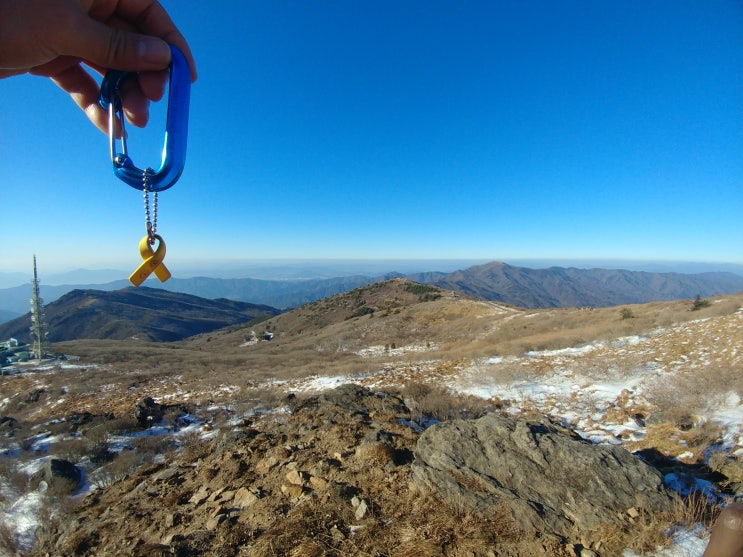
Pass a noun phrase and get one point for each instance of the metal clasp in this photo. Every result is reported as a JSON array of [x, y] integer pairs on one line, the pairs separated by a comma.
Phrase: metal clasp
[[176, 127]]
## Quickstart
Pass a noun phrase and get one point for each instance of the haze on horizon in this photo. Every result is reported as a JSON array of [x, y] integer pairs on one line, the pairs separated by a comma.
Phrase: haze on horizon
[[424, 130]]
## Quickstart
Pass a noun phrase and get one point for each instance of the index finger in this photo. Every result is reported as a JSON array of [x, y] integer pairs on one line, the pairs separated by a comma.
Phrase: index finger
[[150, 18]]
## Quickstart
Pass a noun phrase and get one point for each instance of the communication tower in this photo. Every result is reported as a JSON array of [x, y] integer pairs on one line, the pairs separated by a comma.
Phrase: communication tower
[[38, 322]]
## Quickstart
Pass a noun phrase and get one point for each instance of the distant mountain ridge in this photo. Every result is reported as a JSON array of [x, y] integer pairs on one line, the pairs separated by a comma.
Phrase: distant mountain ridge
[[561, 287], [521, 286], [135, 313]]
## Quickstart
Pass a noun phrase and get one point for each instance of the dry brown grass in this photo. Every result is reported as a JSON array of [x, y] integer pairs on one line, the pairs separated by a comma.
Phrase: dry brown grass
[[646, 532], [8, 545], [558, 328], [313, 340], [682, 404], [435, 401], [672, 441]]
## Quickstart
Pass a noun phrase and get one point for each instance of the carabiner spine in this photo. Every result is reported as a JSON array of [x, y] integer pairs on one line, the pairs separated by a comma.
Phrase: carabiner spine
[[176, 127]]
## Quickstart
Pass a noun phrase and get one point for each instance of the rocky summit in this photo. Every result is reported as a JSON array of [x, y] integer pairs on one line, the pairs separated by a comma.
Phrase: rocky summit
[[370, 484]]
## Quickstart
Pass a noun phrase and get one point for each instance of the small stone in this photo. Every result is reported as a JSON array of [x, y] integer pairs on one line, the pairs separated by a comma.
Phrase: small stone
[[585, 552], [361, 510], [265, 465], [226, 495], [296, 477], [633, 512], [215, 521], [215, 494], [355, 501], [200, 496], [165, 474], [318, 483], [244, 498], [292, 491]]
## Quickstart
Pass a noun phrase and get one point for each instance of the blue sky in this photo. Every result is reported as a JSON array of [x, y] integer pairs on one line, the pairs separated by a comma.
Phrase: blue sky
[[432, 129]]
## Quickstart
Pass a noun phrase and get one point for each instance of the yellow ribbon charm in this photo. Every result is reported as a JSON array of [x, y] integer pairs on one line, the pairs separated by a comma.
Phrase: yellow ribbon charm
[[152, 262]]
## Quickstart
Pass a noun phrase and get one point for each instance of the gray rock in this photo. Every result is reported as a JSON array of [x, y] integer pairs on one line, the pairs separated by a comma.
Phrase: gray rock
[[544, 475], [351, 398], [59, 472]]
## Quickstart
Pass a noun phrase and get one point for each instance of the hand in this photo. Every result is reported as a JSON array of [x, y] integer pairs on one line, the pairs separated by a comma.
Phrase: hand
[[53, 38]]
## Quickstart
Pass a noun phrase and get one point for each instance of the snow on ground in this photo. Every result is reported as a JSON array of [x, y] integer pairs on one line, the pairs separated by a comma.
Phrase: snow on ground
[[23, 516], [684, 543], [380, 350]]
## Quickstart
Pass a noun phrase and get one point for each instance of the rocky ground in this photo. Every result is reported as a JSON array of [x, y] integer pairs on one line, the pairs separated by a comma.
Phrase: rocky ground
[[343, 473]]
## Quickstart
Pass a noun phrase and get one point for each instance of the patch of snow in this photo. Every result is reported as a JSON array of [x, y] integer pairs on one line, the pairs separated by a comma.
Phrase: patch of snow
[[32, 466], [22, 517], [684, 485], [729, 415], [571, 351], [382, 350], [324, 382], [684, 543]]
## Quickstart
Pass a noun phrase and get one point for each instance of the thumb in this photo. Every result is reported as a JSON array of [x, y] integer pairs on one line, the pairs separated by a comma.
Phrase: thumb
[[109, 47]]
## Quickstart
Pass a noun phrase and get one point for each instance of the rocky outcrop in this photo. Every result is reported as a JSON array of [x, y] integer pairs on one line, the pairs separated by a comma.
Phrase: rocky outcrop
[[547, 478], [331, 475], [61, 474]]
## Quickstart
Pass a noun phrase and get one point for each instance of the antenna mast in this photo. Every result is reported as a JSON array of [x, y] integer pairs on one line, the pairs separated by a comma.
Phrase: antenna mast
[[38, 323]]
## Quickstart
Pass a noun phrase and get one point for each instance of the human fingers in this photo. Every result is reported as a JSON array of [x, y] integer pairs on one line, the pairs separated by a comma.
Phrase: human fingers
[[149, 17], [152, 84], [129, 35], [84, 92], [109, 46], [134, 104], [137, 92]]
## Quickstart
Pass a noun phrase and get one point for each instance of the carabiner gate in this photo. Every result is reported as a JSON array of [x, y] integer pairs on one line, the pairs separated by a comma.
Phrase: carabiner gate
[[176, 126]]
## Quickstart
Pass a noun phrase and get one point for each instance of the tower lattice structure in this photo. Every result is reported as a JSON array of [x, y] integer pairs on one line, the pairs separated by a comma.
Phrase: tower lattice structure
[[38, 322]]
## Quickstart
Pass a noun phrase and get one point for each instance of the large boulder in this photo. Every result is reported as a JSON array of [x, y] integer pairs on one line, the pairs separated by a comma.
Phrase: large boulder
[[544, 476], [62, 474]]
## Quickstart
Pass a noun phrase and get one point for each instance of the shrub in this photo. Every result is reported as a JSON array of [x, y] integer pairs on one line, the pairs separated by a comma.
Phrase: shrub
[[365, 310], [699, 303], [420, 289], [627, 313]]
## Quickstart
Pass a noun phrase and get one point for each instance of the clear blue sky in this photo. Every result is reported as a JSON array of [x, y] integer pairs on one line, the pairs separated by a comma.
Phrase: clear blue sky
[[423, 129]]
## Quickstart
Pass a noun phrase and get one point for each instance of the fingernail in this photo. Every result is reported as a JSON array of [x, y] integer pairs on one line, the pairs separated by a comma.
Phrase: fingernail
[[153, 51]]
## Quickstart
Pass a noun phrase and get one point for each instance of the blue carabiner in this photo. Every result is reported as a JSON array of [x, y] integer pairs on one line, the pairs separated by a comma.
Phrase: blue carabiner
[[176, 127]]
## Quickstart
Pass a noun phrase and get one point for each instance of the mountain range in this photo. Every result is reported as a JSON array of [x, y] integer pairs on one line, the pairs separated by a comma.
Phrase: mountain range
[[567, 287], [496, 281], [135, 313]]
